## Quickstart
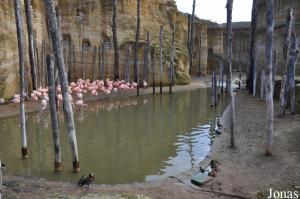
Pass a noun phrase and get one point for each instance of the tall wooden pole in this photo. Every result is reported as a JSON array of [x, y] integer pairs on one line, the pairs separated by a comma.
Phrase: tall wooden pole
[[291, 73], [31, 43], [253, 49], [189, 32], [286, 50], [136, 48], [115, 40], [153, 71], [269, 84], [127, 61], [68, 110], [74, 62], [102, 64], [21, 45], [274, 69], [199, 55], [147, 58], [53, 112], [171, 69], [94, 63], [191, 46], [160, 57], [229, 61]]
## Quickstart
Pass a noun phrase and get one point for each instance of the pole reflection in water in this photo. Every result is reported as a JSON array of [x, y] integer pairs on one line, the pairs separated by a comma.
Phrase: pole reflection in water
[[121, 141]]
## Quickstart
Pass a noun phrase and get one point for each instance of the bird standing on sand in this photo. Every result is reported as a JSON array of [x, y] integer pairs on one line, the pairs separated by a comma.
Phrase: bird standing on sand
[[3, 167]]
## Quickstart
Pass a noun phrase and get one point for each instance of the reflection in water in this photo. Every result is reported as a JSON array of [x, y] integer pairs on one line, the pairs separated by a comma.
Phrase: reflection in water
[[123, 140]]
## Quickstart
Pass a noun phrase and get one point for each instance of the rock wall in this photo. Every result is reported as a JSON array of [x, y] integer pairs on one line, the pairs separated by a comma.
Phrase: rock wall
[[88, 22], [280, 12]]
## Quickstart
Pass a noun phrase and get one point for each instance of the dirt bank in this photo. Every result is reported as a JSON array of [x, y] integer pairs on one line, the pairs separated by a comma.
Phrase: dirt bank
[[244, 171]]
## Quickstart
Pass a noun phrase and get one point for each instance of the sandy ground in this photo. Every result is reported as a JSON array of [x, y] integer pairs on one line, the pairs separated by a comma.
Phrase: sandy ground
[[243, 171]]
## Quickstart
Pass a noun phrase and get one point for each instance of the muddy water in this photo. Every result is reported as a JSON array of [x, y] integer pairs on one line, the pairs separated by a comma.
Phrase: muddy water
[[121, 141]]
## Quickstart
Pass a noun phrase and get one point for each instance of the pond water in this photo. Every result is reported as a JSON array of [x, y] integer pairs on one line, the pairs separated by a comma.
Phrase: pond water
[[121, 141]]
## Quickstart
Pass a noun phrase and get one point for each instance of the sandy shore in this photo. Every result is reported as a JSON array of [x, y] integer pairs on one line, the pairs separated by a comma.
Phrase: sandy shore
[[244, 171]]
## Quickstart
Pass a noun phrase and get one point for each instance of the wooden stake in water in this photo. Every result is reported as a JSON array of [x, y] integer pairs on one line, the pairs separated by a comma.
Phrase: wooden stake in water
[[68, 110], [171, 69], [94, 63], [153, 71], [147, 58], [74, 62], [115, 40], [127, 62], [212, 89], [191, 44], [274, 69], [136, 48], [229, 61], [1, 180], [21, 45], [31, 43], [53, 111], [160, 57], [269, 89]]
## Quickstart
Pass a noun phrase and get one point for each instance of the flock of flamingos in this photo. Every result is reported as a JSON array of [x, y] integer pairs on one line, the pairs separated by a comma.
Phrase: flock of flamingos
[[78, 90]]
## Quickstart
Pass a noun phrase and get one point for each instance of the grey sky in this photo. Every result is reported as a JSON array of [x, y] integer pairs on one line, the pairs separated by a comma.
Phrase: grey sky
[[215, 9]]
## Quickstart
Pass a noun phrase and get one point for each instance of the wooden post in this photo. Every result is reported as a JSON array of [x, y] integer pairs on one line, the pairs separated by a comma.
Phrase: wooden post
[[137, 40], [229, 61], [199, 55], [222, 78], [68, 110], [148, 58], [94, 63], [212, 89], [82, 62], [31, 43], [251, 81], [153, 71], [216, 87], [262, 85], [115, 40], [291, 73], [286, 50], [53, 111], [160, 57], [191, 44], [274, 69], [74, 62], [21, 45], [43, 64], [37, 65], [269, 89], [102, 64], [127, 66], [171, 69]]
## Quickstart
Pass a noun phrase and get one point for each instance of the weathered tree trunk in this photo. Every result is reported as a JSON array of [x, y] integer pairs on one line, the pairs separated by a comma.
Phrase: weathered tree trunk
[[53, 111], [115, 38], [286, 50], [137, 40], [68, 111], [262, 84], [213, 89], [269, 84], [253, 49], [291, 73], [147, 58], [199, 55], [274, 69], [21, 45], [191, 47], [229, 61], [102, 64], [74, 62], [171, 69], [31, 43], [153, 71], [127, 61], [160, 57], [94, 63]]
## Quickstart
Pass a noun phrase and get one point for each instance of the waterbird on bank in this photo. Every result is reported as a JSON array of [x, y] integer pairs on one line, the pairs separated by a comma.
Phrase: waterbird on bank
[[86, 180], [3, 167]]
